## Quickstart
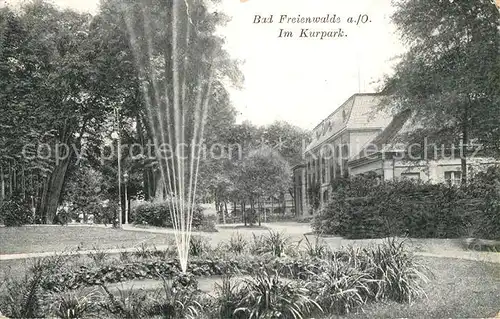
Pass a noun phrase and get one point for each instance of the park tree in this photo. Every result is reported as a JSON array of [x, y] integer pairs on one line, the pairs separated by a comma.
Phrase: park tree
[[287, 139], [84, 191], [263, 173], [450, 75], [49, 89]]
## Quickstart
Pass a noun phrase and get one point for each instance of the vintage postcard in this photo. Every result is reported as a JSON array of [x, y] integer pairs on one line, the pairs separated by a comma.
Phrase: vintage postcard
[[249, 159]]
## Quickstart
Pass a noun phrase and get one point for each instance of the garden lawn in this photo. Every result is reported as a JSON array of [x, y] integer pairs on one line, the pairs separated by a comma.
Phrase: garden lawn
[[460, 289], [36, 239]]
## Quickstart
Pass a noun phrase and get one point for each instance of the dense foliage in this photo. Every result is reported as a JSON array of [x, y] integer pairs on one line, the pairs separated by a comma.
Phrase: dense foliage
[[364, 208], [159, 214], [14, 213], [450, 74]]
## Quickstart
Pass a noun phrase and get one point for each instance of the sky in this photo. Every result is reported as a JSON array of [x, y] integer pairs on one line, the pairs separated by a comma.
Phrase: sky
[[300, 80]]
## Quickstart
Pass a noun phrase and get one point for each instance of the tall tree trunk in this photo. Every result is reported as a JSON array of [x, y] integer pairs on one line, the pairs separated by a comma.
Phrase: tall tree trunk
[[147, 172], [465, 141], [2, 186], [23, 185], [263, 210], [14, 181], [224, 213], [283, 203], [252, 212], [272, 206], [52, 192], [128, 209], [243, 213], [159, 189], [10, 180]]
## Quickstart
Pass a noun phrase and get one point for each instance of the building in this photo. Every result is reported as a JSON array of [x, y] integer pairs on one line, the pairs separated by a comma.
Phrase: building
[[360, 137], [342, 135], [390, 157]]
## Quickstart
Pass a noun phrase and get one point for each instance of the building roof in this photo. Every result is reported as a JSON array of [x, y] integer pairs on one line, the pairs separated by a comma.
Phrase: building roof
[[361, 111], [393, 133], [391, 139]]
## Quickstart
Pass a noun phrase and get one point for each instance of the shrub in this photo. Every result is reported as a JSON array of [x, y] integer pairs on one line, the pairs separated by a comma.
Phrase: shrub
[[128, 304], [158, 214], [104, 214], [257, 244], [207, 224], [176, 301], [399, 274], [15, 213], [364, 208], [228, 297], [236, 244], [266, 296], [74, 304], [317, 248], [198, 246], [340, 287], [24, 298], [274, 243], [98, 255], [145, 252]]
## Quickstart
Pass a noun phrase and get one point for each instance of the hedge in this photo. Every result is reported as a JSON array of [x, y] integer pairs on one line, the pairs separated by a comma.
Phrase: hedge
[[362, 207], [158, 214]]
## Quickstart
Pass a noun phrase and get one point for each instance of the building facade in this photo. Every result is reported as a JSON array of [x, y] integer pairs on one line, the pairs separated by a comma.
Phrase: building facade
[[359, 138], [340, 136]]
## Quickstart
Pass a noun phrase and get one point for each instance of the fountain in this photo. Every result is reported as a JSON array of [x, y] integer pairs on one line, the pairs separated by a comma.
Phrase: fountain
[[166, 52]]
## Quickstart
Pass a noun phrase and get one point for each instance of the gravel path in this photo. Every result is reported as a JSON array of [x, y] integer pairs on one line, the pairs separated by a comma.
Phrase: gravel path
[[451, 248]]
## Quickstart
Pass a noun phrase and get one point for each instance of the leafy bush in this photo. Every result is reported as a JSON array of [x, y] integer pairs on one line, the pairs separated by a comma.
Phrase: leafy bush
[[25, 297], [340, 287], [128, 304], [317, 248], [74, 304], [353, 277], [236, 244], [15, 213], [104, 214], [146, 252], [98, 255], [364, 208], [399, 274], [228, 296], [176, 301], [172, 301], [158, 214], [207, 224], [266, 296], [198, 246], [256, 244], [274, 243]]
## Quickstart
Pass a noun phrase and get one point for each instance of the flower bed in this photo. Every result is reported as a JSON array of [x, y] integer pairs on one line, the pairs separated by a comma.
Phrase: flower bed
[[324, 281]]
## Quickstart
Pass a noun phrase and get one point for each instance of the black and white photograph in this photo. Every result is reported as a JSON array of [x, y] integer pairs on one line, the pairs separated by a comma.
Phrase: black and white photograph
[[249, 159]]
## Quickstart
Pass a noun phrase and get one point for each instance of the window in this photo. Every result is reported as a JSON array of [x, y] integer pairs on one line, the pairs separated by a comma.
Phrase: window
[[332, 172], [323, 170], [453, 177], [414, 176]]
